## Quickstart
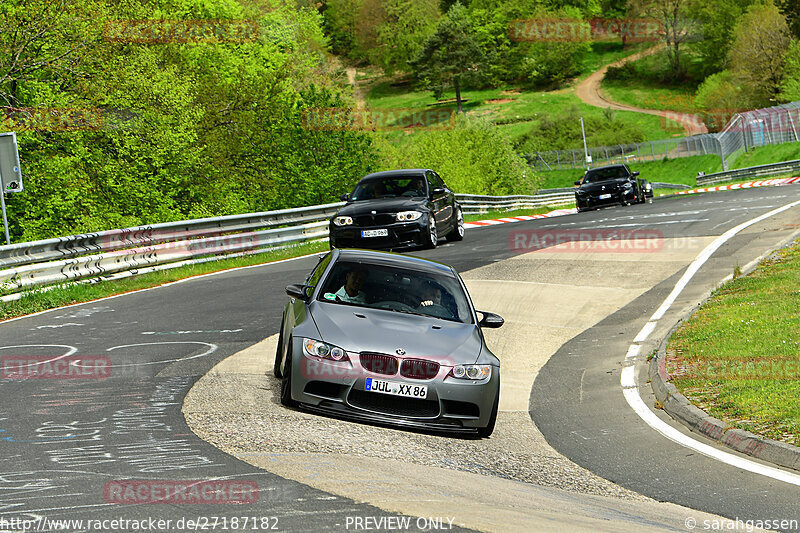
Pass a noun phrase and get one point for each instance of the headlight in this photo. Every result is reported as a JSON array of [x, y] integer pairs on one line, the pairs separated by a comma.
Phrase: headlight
[[343, 221], [473, 372], [627, 185], [323, 350], [648, 187], [405, 216]]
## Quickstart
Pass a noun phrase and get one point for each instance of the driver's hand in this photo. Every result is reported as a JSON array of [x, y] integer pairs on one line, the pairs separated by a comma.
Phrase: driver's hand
[[425, 303]]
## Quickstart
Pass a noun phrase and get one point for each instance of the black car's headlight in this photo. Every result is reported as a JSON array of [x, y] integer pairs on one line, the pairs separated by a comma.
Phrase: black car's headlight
[[627, 185], [407, 216], [471, 372], [343, 221], [582, 192], [323, 350]]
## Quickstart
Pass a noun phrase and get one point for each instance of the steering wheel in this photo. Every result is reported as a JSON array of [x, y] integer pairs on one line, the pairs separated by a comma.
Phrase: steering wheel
[[393, 306]]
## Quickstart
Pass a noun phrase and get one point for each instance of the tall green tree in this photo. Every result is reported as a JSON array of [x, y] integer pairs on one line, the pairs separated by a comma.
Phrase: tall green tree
[[761, 40], [451, 57], [677, 25]]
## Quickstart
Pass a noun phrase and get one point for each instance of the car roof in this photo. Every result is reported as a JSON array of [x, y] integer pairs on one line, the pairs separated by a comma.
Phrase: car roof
[[396, 173], [607, 166], [391, 259]]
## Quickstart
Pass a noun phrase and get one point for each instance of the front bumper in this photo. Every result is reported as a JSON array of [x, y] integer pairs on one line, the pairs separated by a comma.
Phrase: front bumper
[[400, 235], [338, 389], [590, 201]]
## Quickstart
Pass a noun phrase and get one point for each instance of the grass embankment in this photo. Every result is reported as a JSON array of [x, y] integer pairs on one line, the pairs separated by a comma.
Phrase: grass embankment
[[738, 357]]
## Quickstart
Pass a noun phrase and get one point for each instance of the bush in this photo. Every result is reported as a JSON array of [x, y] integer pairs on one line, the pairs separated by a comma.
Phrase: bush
[[473, 157]]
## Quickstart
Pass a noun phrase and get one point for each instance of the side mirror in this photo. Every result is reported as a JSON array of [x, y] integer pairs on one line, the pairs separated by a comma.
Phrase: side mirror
[[490, 320], [297, 291], [438, 190], [345, 197], [636, 173], [577, 182]]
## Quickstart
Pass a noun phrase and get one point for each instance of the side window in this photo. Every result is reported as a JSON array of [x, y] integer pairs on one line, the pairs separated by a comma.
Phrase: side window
[[431, 181], [438, 180], [313, 278]]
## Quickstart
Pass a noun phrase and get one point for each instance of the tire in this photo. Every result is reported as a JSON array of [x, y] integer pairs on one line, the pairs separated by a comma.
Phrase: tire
[[458, 231], [432, 238], [286, 380], [487, 431], [276, 368]]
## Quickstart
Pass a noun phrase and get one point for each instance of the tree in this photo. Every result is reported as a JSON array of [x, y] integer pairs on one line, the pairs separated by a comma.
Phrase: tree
[[677, 26], [791, 10], [761, 40], [790, 85], [408, 24], [717, 19], [451, 57], [42, 41]]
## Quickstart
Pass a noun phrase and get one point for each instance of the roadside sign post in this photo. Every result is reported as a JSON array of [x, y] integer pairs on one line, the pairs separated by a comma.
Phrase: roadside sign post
[[5, 217], [10, 173]]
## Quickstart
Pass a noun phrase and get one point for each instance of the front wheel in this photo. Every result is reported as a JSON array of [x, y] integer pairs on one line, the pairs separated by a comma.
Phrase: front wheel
[[432, 237], [458, 230], [286, 381], [484, 432], [276, 368]]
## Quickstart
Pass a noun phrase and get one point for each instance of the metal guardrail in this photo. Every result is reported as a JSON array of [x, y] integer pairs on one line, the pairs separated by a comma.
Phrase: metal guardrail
[[106, 253], [750, 172], [92, 255], [472, 204]]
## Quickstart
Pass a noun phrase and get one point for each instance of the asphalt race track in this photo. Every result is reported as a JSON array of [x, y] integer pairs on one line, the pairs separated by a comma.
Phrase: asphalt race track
[[67, 443]]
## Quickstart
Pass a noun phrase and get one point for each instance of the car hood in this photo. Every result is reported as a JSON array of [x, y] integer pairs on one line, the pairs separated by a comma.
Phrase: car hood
[[387, 331], [610, 185], [381, 205]]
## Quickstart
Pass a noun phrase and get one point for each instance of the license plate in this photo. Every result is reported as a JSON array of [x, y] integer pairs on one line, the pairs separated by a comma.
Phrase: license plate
[[374, 232], [604, 196], [394, 388]]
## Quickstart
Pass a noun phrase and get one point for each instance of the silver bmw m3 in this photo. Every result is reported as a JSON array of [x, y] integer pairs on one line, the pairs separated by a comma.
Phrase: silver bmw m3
[[388, 339]]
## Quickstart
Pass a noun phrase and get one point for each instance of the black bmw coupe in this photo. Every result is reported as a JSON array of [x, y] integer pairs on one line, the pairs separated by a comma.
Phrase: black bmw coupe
[[397, 209]]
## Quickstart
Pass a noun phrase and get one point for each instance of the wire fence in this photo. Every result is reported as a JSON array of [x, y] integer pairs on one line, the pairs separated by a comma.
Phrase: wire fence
[[744, 131]]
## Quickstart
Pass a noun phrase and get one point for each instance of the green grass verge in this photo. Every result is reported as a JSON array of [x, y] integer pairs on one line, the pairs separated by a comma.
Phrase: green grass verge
[[35, 300], [738, 357], [650, 96]]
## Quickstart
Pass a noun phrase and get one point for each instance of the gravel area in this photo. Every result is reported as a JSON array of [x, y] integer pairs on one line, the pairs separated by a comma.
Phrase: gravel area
[[240, 414]]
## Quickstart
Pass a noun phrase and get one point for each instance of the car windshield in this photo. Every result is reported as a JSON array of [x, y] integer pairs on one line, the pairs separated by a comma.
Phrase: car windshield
[[413, 186], [396, 289], [604, 174]]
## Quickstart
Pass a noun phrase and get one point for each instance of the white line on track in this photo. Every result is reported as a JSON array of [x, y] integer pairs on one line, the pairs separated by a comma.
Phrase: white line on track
[[628, 377]]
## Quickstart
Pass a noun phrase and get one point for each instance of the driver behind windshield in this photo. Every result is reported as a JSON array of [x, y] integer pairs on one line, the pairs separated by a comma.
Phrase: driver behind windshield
[[351, 290]]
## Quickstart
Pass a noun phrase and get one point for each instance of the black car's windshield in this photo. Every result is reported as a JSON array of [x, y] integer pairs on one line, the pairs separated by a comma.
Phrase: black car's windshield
[[399, 290], [413, 186], [604, 174]]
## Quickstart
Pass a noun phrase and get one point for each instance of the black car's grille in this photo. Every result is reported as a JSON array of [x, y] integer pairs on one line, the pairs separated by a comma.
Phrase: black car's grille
[[393, 405], [379, 363], [380, 219], [419, 369]]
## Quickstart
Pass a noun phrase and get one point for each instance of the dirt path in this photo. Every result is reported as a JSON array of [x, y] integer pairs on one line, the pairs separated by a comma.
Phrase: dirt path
[[358, 91], [590, 93]]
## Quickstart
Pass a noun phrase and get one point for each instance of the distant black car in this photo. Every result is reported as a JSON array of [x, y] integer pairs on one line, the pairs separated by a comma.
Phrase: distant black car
[[397, 209], [613, 184]]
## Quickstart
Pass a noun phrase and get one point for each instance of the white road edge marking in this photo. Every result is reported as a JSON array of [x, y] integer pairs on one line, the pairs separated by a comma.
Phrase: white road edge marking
[[628, 375]]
